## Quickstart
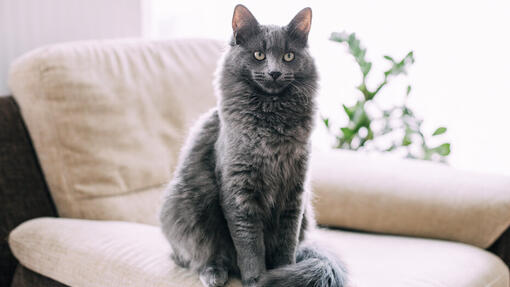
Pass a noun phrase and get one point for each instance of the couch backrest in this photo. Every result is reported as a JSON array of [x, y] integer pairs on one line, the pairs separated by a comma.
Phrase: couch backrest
[[108, 119]]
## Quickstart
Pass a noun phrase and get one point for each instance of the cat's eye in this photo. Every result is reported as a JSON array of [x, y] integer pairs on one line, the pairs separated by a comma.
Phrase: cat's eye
[[259, 55], [288, 57]]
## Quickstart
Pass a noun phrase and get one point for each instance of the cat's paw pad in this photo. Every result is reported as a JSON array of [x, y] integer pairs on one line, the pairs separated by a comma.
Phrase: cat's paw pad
[[214, 277]]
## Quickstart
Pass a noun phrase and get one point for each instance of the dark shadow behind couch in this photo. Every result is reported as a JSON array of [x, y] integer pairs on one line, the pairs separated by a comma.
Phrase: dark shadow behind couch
[[23, 192]]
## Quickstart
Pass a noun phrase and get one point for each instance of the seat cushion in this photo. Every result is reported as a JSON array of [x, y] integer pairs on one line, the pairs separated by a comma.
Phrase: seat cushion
[[108, 253], [108, 119]]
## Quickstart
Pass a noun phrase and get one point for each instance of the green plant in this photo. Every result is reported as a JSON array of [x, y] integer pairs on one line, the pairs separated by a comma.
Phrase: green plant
[[399, 125]]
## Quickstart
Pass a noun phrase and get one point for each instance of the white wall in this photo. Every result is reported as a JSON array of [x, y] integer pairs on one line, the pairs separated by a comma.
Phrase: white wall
[[28, 24], [462, 49]]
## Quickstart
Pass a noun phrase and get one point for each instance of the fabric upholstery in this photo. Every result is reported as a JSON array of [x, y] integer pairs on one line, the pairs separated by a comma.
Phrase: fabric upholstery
[[104, 253], [23, 191], [410, 197], [108, 119]]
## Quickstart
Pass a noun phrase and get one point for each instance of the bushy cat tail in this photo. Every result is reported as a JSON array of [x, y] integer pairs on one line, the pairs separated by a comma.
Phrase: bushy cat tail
[[313, 268]]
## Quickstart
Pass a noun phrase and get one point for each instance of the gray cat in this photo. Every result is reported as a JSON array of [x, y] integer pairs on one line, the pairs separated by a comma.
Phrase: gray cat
[[238, 203]]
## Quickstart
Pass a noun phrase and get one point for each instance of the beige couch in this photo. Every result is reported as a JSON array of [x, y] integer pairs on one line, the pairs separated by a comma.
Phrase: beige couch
[[107, 120]]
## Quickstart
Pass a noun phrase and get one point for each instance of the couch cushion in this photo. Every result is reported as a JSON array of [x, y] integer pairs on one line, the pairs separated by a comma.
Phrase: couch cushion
[[100, 253], [107, 119], [417, 198]]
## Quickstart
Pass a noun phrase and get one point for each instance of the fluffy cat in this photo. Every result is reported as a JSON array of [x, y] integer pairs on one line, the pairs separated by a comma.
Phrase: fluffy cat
[[238, 203]]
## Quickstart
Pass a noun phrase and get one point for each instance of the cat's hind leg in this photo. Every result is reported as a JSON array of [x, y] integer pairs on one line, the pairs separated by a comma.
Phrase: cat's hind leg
[[179, 259]]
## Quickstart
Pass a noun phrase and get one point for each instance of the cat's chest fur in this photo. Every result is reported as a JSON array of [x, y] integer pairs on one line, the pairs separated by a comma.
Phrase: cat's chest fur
[[276, 158], [272, 153], [270, 135]]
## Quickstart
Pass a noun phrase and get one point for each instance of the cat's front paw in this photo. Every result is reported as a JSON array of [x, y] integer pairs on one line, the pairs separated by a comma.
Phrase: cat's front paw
[[250, 282], [214, 277]]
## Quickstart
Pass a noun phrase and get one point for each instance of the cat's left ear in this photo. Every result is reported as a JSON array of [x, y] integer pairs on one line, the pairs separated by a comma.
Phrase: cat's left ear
[[244, 24], [300, 26]]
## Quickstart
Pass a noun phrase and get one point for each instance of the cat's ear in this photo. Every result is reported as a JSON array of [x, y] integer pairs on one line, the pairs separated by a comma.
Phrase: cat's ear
[[300, 26], [244, 24]]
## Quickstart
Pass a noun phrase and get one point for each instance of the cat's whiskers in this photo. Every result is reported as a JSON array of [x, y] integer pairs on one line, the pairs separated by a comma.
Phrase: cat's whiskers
[[302, 87]]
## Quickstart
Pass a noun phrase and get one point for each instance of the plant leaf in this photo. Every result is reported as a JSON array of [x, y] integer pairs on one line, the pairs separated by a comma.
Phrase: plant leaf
[[443, 149], [349, 111], [348, 133], [339, 37], [365, 68], [389, 58], [326, 122], [439, 131], [406, 141]]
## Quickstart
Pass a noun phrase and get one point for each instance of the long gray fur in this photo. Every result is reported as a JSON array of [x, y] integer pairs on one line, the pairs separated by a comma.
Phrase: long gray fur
[[238, 202]]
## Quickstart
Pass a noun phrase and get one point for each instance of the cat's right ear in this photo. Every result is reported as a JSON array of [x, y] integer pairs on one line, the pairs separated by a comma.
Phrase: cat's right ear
[[299, 27], [244, 24]]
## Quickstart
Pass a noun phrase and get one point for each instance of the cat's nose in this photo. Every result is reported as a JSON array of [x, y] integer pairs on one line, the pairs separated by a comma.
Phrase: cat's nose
[[275, 74]]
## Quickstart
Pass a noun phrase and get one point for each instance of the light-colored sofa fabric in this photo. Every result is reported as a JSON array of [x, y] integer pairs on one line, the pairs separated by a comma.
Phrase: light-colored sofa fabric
[[424, 199], [108, 118], [108, 253]]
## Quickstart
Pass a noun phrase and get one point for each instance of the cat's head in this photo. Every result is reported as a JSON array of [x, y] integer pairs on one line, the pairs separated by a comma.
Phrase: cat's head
[[271, 58]]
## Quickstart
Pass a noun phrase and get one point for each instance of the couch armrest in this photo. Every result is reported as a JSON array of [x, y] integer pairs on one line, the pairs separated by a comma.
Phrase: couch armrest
[[79, 252], [383, 194]]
